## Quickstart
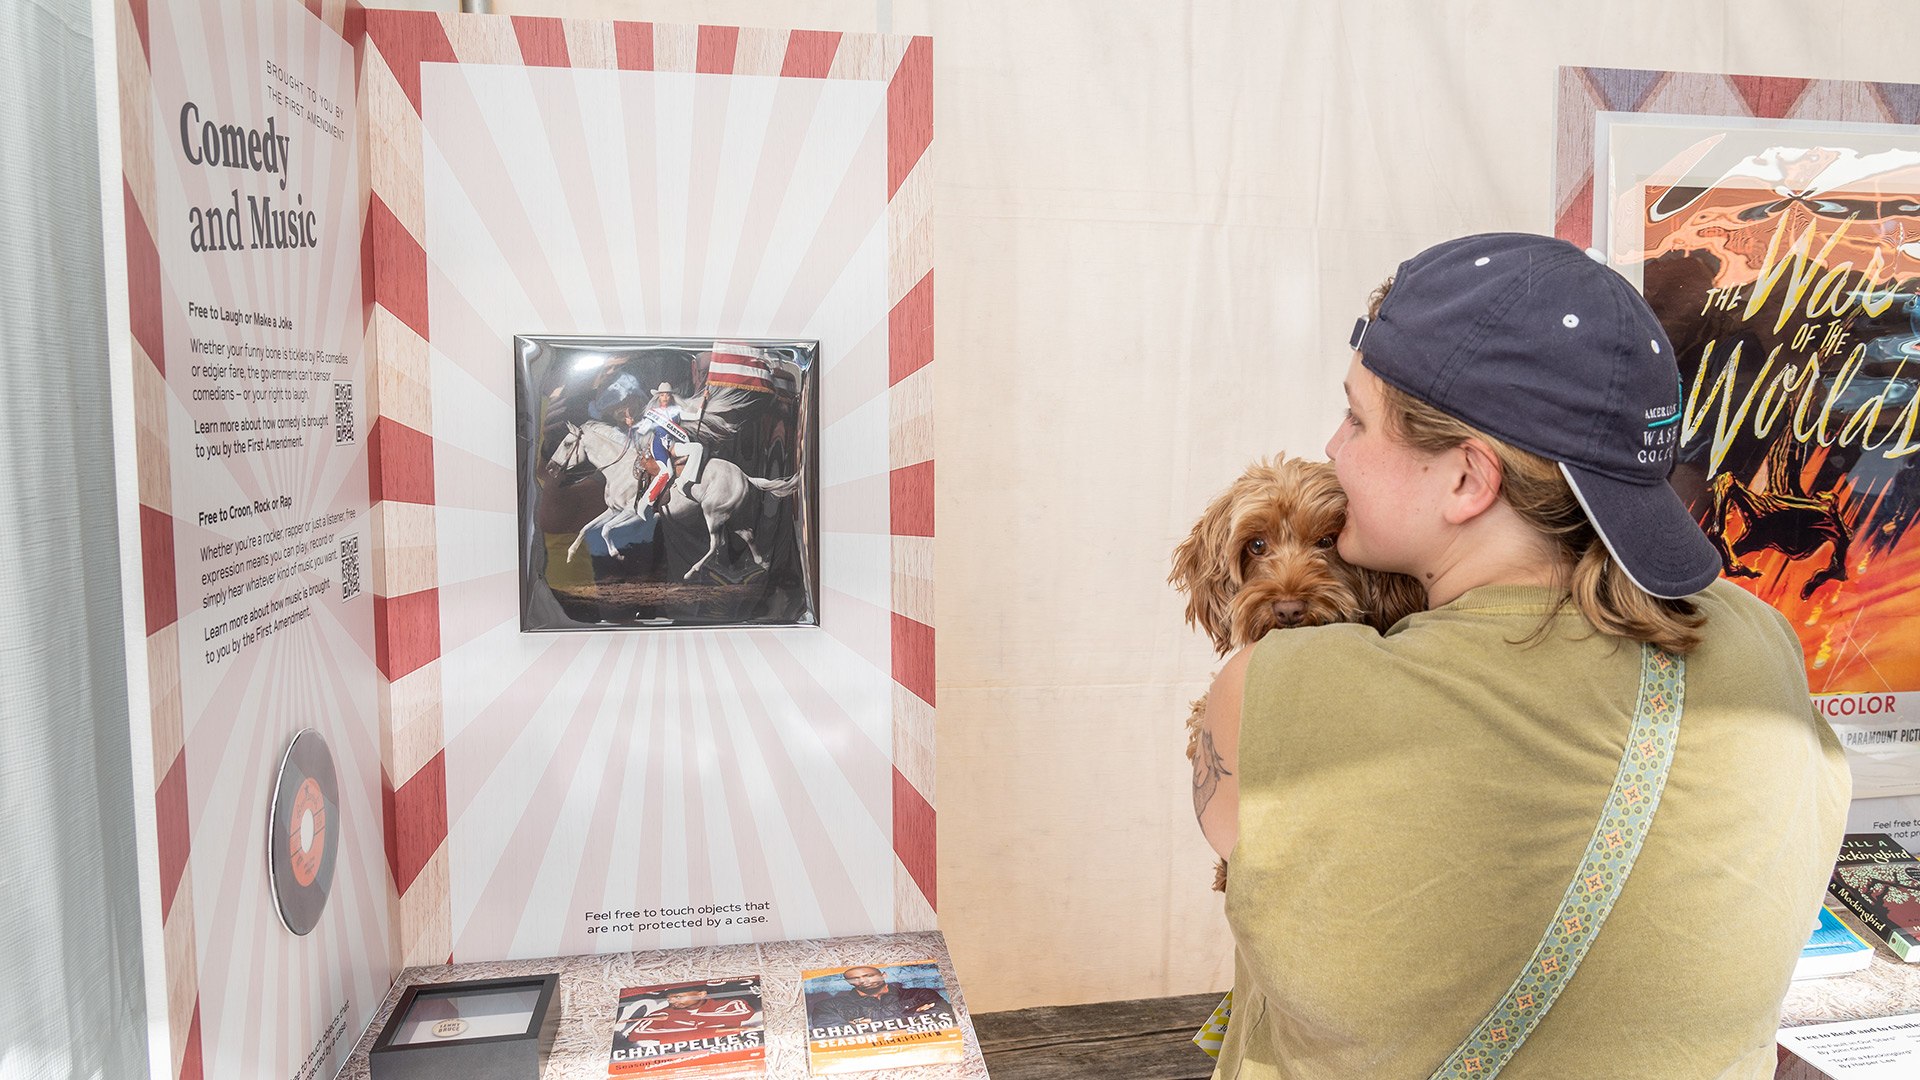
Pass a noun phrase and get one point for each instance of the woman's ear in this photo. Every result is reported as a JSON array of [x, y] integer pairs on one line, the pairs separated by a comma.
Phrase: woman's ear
[[1476, 485]]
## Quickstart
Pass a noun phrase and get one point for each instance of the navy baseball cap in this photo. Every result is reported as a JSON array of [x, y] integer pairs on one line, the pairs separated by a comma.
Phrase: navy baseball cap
[[1532, 341]]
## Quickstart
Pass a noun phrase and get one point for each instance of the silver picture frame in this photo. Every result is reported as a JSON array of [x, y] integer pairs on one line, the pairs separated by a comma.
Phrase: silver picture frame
[[609, 539]]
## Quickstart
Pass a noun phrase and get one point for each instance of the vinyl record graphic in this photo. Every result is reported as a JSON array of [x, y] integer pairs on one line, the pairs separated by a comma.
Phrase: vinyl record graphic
[[303, 831]]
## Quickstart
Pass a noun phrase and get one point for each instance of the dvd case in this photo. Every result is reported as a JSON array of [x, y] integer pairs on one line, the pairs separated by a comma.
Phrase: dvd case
[[880, 1016], [711, 1028]]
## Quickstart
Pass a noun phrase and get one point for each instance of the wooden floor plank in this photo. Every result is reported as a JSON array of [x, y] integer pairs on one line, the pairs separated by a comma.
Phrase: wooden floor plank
[[1145, 1039]]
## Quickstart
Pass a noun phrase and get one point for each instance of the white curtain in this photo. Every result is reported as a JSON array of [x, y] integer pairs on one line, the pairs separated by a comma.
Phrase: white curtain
[[71, 997], [1154, 223]]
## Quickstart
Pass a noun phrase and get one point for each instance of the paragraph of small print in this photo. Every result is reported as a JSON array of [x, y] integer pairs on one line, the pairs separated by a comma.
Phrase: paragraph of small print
[[343, 431]]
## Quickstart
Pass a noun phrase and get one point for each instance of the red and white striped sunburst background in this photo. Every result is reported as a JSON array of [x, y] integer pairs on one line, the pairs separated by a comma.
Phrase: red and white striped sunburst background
[[534, 175]]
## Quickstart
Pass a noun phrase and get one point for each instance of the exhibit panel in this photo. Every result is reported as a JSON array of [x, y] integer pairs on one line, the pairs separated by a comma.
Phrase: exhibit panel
[[241, 203], [737, 219], [1770, 223], [362, 249]]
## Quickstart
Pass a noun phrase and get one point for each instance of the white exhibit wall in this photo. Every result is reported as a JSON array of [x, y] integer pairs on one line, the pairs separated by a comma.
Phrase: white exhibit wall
[[713, 728], [1154, 225]]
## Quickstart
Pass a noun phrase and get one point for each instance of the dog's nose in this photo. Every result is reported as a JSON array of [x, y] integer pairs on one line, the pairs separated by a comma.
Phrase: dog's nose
[[1289, 612]]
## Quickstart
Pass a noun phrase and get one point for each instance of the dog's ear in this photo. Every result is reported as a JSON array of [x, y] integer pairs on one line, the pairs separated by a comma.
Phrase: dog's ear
[[1205, 567], [1388, 598]]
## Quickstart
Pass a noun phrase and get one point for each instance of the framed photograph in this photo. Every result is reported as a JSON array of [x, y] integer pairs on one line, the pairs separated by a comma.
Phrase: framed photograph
[[481, 1029], [666, 482]]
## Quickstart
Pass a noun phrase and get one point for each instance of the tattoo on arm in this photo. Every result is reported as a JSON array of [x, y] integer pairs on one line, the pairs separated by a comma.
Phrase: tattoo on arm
[[1208, 768]]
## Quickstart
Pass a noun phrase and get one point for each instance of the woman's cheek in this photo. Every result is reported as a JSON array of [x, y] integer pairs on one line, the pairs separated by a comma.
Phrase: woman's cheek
[[1351, 530]]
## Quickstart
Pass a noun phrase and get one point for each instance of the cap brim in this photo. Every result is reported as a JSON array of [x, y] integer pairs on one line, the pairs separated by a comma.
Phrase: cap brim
[[1650, 532]]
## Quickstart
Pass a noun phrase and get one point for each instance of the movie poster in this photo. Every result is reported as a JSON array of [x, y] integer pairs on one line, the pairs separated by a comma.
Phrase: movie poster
[[1783, 258]]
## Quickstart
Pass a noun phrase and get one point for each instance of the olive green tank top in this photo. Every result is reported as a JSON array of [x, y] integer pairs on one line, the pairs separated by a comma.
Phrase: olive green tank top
[[1412, 808]]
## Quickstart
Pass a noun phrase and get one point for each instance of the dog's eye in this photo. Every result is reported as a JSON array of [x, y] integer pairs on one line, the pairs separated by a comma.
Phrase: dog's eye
[[1327, 541], [1257, 546]]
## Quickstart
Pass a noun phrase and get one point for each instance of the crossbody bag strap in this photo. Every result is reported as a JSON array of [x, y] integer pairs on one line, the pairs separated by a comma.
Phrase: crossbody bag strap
[[1596, 885]]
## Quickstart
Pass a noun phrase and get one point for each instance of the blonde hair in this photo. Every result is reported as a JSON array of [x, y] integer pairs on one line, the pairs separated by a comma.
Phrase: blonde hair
[[1534, 488]]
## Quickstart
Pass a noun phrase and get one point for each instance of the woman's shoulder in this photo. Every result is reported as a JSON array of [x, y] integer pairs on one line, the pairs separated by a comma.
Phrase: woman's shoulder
[[1737, 618], [1320, 642], [1357, 642], [1490, 636], [1336, 652]]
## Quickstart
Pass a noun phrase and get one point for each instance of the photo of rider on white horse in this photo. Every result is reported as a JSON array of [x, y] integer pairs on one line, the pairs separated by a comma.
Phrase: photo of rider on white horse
[[715, 501], [666, 482]]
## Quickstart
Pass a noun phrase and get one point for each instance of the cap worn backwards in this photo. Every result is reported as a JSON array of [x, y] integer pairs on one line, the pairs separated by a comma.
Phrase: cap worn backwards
[[1533, 342]]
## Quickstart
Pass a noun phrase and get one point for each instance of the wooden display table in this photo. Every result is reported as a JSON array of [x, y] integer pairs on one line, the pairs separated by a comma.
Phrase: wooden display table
[[1890, 987], [590, 986]]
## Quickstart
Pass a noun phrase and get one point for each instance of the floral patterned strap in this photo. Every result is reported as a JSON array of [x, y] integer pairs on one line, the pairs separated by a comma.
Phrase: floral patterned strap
[[1596, 885]]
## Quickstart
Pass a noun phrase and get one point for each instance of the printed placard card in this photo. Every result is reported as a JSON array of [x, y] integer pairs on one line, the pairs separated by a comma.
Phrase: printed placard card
[[1886, 1048]]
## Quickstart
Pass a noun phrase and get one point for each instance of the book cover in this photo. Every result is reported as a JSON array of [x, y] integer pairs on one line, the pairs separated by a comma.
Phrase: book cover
[[1879, 881], [710, 1029], [1834, 949], [879, 1016]]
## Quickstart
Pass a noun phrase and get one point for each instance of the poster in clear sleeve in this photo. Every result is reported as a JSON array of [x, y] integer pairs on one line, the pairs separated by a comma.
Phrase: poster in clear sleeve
[[666, 482], [1782, 254]]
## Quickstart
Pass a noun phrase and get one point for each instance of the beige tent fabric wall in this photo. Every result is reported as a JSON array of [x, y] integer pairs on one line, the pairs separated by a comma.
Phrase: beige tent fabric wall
[[1155, 223]]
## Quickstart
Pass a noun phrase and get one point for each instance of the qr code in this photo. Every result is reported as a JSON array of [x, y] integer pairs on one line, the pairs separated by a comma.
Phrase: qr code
[[349, 567], [342, 413]]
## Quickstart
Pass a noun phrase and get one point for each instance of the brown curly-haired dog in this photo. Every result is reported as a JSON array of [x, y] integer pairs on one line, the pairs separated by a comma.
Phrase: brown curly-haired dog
[[1262, 558]]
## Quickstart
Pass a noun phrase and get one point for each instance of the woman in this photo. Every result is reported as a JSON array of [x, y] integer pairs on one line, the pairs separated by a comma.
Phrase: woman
[[1576, 818], [661, 439]]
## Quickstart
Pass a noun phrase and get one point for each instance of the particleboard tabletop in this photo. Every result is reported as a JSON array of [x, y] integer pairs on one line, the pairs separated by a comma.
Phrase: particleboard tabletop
[[590, 987], [1888, 987]]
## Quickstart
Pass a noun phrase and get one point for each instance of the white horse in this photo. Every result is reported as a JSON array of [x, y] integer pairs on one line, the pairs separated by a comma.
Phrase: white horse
[[721, 490]]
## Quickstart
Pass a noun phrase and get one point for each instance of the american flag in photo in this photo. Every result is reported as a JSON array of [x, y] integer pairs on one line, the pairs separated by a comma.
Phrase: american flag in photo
[[742, 380], [740, 367]]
